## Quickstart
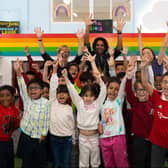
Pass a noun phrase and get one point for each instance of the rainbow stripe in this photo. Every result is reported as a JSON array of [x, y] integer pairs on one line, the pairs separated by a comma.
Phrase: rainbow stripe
[[13, 44]]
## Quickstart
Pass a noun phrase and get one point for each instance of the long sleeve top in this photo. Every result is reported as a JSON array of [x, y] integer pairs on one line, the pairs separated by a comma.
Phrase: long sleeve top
[[35, 120], [87, 115], [142, 112], [9, 121], [111, 114], [61, 118]]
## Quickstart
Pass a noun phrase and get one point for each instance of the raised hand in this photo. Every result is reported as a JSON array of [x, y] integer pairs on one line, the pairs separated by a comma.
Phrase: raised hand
[[124, 51], [80, 34], [65, 74], [88, 21], [39, 32], [139, 29], [120, 25], [48, 63], [90, 58], [17, 65], [26, 50], [111, 51]]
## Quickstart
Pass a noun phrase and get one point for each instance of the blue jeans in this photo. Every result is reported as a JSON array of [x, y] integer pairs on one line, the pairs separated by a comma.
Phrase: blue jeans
[[6, 154], [61, 148]]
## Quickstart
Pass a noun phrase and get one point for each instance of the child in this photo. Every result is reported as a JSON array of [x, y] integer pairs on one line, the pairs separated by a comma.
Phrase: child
[[112, 140], [9, 121], [88, 107], [159, 133], [61, 122], [46, 88], [142, 119], [34, 123]]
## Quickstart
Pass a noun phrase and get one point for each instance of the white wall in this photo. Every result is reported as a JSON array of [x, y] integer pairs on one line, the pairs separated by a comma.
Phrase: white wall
[[33, 13]]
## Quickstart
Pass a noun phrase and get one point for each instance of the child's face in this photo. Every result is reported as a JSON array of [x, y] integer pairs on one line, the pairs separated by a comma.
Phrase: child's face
[[138, 75], [120, 68], [73, 70], [141, 93], [88, 98], [61, 81], [6, 98], [158, 82], [62, 98], [66, 53], [164, 85], [147, 54], [45, 93], [112, 90], [35, 91]]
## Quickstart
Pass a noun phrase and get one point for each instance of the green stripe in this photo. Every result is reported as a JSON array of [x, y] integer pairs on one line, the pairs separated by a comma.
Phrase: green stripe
[[34, 51]]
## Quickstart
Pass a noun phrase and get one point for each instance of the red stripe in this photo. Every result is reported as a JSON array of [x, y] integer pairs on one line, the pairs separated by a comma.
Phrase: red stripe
[[93, 35]]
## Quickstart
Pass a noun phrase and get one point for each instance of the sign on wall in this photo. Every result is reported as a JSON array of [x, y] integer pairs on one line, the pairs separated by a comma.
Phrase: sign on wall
[[7, 27]]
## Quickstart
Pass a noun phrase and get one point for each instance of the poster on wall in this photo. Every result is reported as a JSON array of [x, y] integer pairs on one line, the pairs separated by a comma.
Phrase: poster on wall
[[7, 27], [121, 9], [80, 10], [101, 9], [102, 26], [61, 10]]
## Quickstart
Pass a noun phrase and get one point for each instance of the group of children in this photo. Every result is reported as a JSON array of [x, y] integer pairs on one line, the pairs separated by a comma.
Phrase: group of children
[[86, 103]]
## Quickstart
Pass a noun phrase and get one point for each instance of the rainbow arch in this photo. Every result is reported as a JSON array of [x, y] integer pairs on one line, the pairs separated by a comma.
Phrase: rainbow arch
[[13, 44]]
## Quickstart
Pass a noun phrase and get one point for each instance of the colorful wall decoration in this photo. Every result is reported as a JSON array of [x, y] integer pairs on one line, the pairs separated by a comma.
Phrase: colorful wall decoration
[[13, 44]]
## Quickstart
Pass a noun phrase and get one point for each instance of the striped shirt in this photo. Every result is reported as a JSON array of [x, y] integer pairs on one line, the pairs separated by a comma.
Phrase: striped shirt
[[35, 120]]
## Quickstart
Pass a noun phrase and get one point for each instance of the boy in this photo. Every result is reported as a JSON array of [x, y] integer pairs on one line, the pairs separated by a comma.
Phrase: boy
[[9, 121], [34, 123]]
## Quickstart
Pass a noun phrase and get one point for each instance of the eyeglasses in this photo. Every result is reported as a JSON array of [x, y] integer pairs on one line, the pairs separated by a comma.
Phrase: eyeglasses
[[165, 81], [34, 87]]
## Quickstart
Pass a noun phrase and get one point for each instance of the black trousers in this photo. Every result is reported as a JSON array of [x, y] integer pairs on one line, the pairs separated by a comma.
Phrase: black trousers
[[158, 156], [33, 152], [6, 154], [141, 150]]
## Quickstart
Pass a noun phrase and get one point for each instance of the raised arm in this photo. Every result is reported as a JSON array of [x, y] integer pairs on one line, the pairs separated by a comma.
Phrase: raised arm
[[111, 62], [53, 82], [73, 93], [163, 48], [29, 58], [20, 80], [125, 53], [140, 42], [45, 71], [129, 74], [145, 82], [80, 34], [119, 28], [39, 33], [88, 22]]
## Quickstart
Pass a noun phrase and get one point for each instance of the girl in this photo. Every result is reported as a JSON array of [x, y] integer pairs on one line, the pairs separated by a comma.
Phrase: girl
[[61, 122], [88, 107], [9, 121], [112, 140], [159, 132]]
